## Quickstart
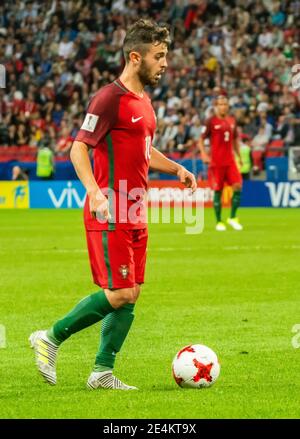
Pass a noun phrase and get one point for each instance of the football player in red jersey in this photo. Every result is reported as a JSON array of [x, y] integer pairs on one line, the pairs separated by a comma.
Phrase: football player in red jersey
[[119, 126], [221, 131]]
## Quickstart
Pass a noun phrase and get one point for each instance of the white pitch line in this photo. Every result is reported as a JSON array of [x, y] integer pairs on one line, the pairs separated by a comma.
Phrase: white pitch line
[[50, 250], [262, 247], [169, 249]]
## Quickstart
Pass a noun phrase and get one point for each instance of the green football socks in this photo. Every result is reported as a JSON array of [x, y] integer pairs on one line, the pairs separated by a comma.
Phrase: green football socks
[[235, 203], [88, 311], [115, 327], [218, 205]]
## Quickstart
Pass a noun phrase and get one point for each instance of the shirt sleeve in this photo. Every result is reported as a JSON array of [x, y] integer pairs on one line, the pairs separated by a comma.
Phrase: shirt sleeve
[[99, 119], [206, 129]]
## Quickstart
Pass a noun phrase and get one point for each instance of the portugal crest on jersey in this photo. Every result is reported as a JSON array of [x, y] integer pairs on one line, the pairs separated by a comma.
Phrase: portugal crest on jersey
[[124, 271]]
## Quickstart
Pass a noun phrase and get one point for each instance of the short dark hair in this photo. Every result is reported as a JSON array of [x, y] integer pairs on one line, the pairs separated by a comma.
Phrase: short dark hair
[[142, 33], [220, 98]]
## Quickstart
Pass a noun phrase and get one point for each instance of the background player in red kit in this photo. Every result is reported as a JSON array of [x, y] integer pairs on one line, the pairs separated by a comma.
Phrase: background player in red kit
[[221, 130], [119, 125]]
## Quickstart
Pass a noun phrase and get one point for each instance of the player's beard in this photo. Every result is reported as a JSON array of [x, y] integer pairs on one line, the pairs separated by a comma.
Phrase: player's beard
[[145, 76], [222, 113]]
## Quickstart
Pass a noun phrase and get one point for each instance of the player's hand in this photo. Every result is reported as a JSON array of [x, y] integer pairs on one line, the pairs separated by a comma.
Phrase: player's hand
[[98, 204], [187, 178], [205, 158]]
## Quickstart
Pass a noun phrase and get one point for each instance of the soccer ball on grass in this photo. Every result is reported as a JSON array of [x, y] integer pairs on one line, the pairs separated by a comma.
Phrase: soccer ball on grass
[[195, 366]]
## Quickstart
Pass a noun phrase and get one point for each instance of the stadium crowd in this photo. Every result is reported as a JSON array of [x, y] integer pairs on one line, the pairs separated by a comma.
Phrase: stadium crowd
[[57, 54]]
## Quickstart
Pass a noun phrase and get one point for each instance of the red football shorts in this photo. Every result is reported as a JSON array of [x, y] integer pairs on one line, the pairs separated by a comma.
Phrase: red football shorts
[[218, 176], [117, 257]]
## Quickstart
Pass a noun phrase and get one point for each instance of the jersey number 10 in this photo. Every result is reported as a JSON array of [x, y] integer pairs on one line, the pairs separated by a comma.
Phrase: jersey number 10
[[148, 147]]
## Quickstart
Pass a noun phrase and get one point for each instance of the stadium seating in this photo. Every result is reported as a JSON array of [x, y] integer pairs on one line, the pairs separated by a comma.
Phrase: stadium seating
[[275, 149], [20, 153], [42, 83]]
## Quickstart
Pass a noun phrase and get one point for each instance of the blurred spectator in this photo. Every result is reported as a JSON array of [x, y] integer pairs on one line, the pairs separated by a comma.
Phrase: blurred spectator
[[64, 142], [284, 129], [65, 47], [45, 163], [250, 123], [19, 174], [57, 114], [57, 54], [168, 136], [21, 137], [265, 125], [245, 151], [259, 144], [181, 139], [12, 135], [196, 130]]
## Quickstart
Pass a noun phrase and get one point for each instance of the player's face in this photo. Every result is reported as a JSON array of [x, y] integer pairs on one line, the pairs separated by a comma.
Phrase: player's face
[[153, 64], [222, 107]]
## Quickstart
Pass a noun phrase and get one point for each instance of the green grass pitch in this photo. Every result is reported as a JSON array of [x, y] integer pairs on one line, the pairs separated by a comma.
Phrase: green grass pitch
[[237, 292]]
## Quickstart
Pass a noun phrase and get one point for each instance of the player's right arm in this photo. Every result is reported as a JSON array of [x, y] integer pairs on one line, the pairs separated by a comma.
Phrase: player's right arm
[[99, 119], [81, 161], [205, 134]]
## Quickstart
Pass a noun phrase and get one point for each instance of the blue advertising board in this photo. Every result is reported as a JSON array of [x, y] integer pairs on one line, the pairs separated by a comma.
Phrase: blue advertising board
[[71, 194], [57, 194], [271, 194]]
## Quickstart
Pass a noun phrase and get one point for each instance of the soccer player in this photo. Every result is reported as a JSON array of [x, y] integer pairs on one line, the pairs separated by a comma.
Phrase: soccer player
[[119, 126], [221, 130]]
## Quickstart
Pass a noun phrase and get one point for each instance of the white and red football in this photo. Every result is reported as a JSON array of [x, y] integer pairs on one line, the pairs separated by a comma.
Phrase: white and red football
[[195, 366]]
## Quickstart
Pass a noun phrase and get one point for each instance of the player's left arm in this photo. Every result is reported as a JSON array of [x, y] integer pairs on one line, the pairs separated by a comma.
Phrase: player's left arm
[[159, 162]]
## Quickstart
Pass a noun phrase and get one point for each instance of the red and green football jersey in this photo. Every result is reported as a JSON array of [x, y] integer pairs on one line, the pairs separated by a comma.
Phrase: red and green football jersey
[[120, 126], [221, 133]]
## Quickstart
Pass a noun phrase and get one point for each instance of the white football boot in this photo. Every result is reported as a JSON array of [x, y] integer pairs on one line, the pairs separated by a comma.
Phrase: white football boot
[[45, 355], [106, 380], [220, 227], [235, 223]]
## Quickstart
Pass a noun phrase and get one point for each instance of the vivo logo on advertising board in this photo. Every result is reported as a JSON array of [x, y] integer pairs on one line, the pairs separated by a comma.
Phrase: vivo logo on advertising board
[[69, 195], [284, 194]]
